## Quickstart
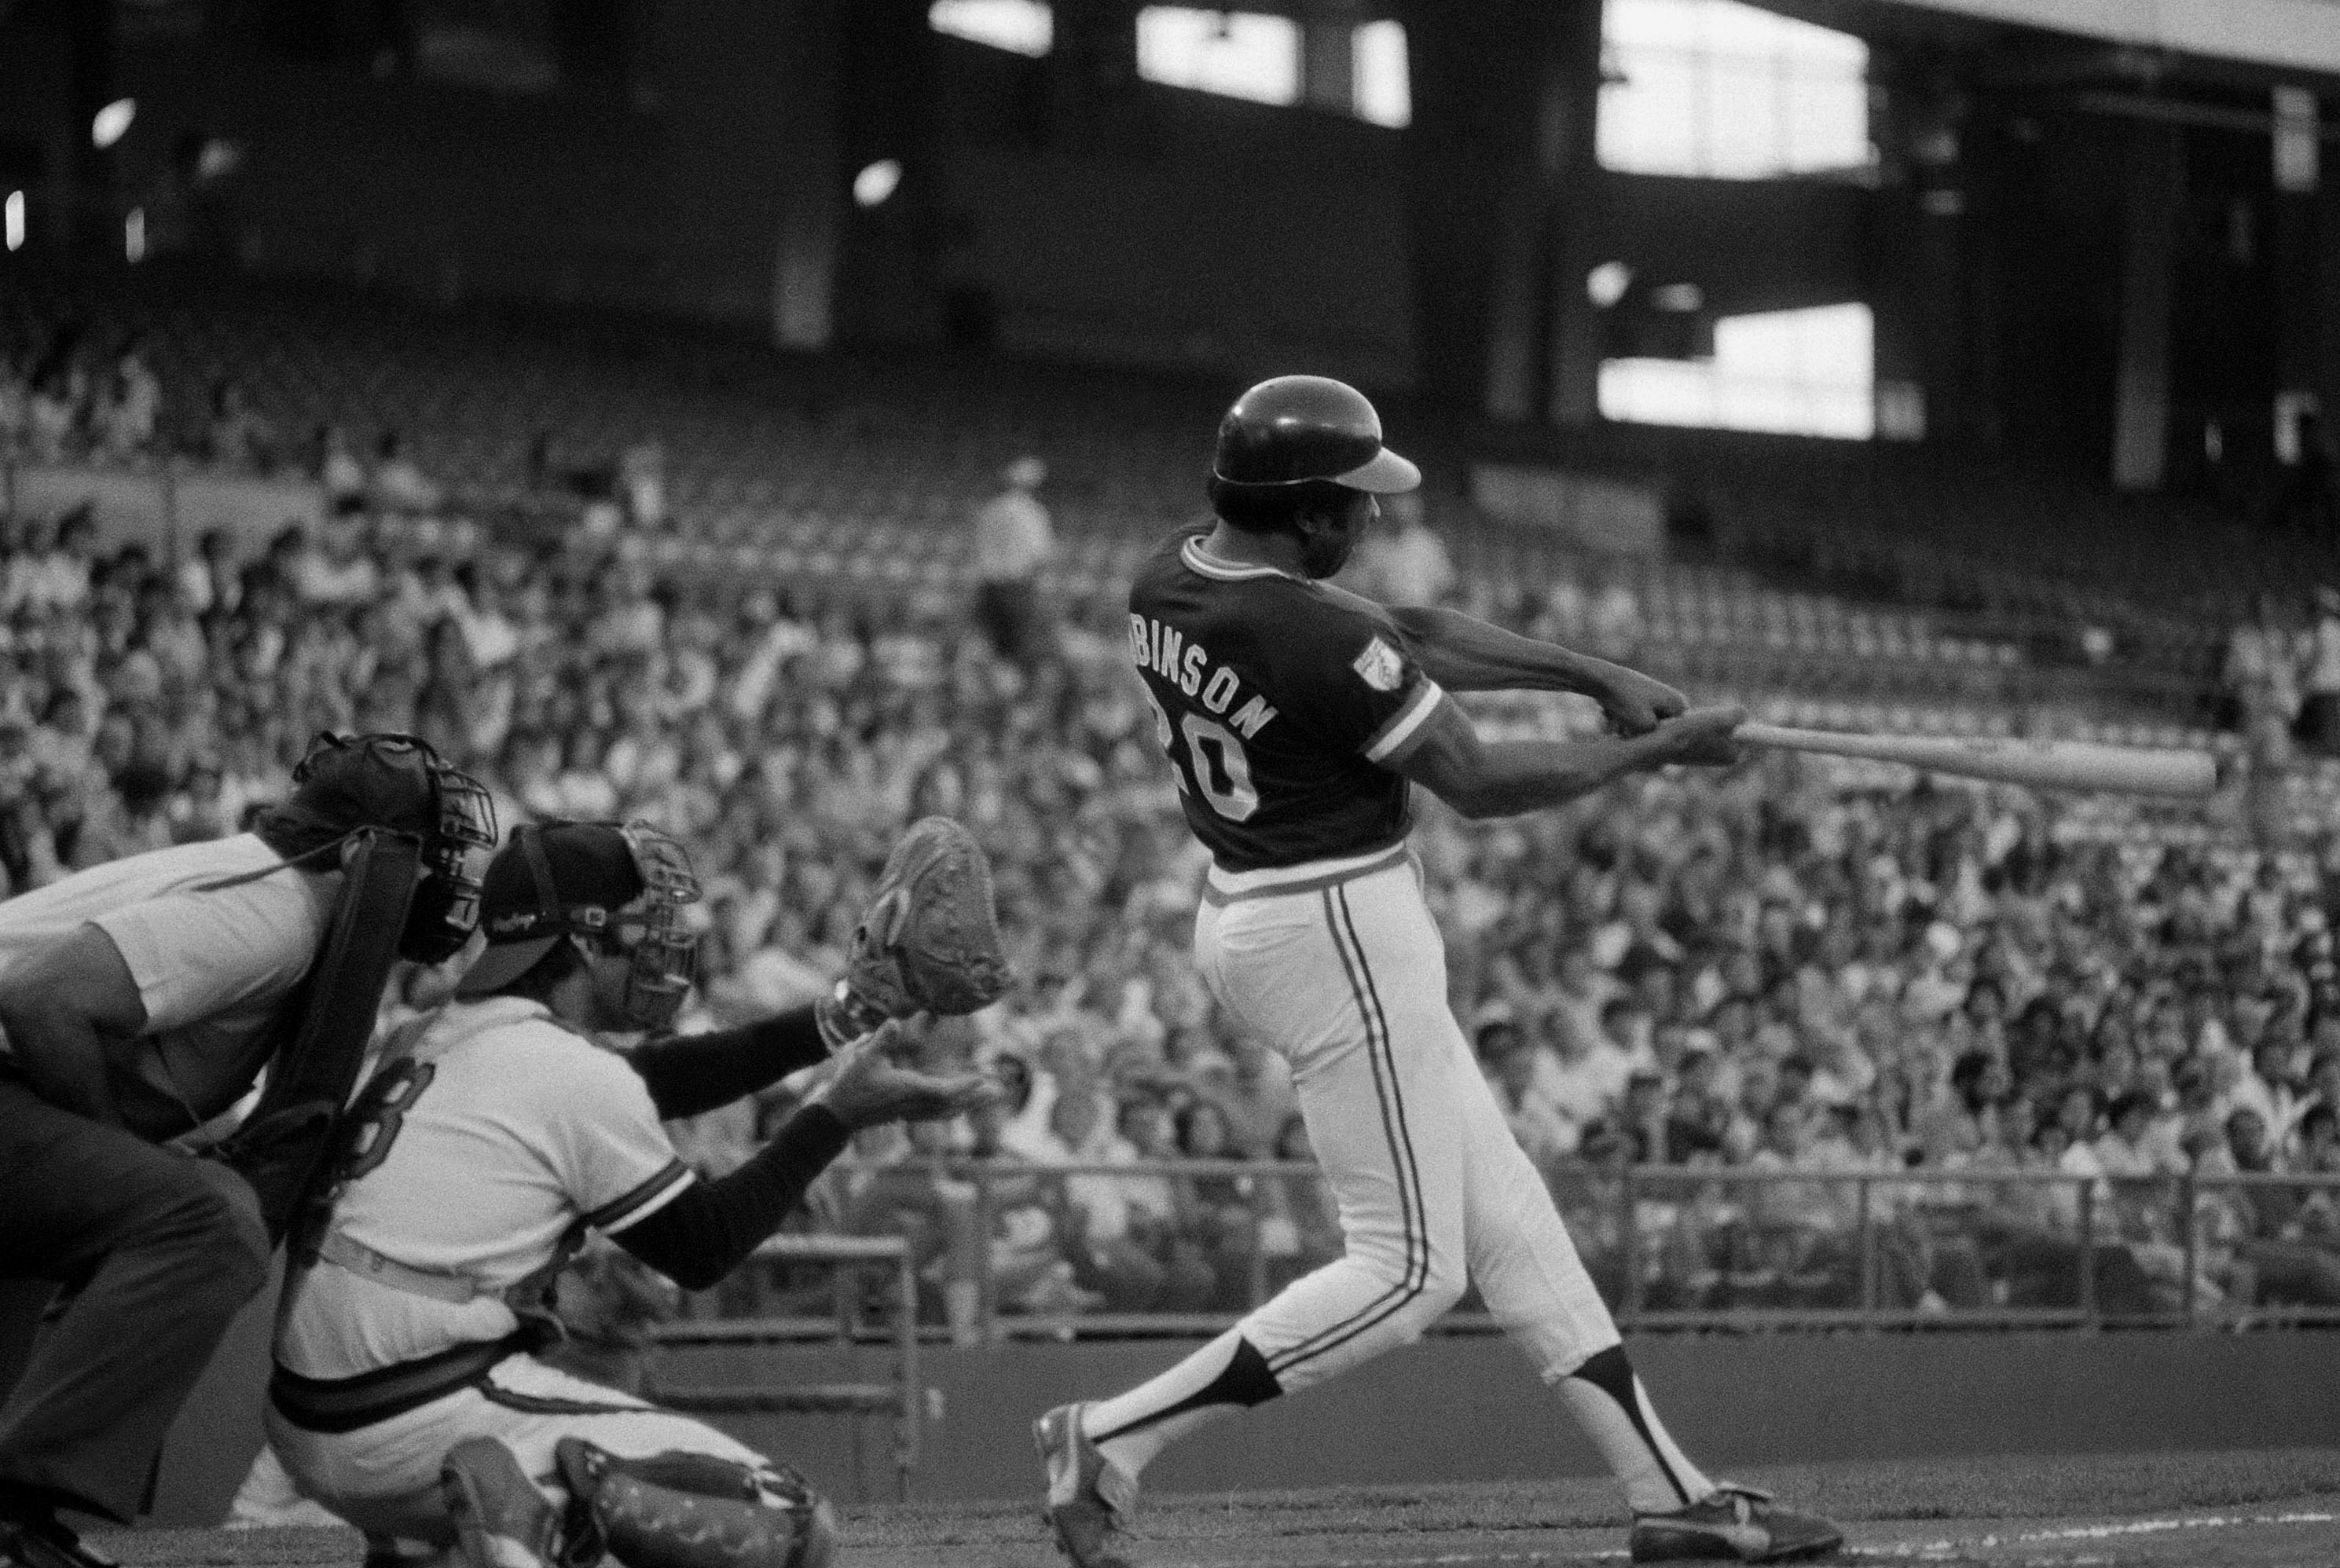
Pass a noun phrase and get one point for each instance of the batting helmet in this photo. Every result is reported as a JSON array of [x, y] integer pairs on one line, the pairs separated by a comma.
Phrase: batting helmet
[[1295, 429]]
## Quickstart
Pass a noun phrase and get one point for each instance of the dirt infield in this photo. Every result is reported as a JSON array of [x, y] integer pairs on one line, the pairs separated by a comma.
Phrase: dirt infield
[[2261, 1509]]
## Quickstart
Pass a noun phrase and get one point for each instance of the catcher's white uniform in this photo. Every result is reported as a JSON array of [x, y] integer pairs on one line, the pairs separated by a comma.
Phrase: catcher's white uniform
[[495, 1131]]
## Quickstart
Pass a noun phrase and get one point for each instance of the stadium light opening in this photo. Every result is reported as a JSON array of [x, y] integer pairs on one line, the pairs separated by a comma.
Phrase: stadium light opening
[[1606, 284], [1020, 26], [133, 235], [1682, 299], [218, 159], [876, 182], [15, 210], [113, 123], [1234, 53]]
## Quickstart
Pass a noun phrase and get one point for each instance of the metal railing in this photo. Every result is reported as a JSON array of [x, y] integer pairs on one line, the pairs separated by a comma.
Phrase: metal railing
[[1006, 1250]]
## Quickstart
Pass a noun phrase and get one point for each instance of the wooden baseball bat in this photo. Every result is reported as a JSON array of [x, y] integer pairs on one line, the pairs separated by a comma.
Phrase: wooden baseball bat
[[2054, 764]]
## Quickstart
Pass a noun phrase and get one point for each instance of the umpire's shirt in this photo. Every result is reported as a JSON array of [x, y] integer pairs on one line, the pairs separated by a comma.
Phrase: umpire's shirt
[[216, 938]]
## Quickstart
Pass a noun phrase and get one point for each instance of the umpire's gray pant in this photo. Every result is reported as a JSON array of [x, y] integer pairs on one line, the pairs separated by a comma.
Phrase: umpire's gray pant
[[165, 1250]]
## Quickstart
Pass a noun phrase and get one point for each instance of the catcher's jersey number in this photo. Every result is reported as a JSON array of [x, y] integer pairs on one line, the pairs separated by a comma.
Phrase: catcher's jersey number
[[1215, 760], [380, 1116]]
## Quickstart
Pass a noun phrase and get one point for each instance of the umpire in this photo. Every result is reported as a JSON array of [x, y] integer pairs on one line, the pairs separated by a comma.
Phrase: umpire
[[140, 999]]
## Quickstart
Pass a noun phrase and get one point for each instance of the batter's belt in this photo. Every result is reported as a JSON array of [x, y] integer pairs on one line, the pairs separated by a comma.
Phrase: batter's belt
[[1224, 887]]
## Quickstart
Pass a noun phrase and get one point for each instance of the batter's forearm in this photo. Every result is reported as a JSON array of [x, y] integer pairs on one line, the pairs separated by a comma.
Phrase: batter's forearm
[[1517, 776], [1464, 654]]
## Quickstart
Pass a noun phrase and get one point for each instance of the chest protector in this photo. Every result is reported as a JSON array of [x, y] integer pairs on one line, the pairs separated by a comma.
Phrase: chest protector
[[319, 1042]]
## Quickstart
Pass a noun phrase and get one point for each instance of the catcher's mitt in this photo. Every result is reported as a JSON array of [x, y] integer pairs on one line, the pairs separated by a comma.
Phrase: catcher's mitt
[[929, 940]]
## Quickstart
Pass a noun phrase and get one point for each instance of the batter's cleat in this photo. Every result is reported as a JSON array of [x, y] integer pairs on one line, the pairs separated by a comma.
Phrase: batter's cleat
[[500, 1519], [1089, 1497], [1732, 1524]]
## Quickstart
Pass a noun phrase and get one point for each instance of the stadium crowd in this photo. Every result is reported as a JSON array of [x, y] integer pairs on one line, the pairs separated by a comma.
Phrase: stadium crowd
[[1773, 972]]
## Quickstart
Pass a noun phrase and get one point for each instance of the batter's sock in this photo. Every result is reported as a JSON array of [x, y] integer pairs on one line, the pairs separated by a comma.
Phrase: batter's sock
[[1227, 1375], [1609, 1403]]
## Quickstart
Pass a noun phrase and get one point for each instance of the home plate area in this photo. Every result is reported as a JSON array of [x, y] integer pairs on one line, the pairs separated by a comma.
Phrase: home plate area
[[2276, 1508]]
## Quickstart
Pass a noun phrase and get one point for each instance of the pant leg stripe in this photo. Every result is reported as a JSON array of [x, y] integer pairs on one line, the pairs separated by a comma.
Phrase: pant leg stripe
[[1416, 1259], [1409, 1171], [1415, 1276], [1411, 1205]]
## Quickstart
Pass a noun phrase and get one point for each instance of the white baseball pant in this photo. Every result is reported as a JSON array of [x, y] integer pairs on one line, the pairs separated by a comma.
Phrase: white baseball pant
[[1347, 980], [385, 1479]]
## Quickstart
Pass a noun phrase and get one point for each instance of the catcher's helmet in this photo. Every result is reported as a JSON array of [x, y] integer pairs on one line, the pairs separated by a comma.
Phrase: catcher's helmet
[[1295, 429], [622, 886]]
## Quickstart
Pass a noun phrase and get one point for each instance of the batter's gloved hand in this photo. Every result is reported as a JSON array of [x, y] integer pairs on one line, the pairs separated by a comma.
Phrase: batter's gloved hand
[[928, 941]]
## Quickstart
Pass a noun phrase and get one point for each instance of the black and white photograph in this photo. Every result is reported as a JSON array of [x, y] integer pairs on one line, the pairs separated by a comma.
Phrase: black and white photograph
[[1082, 784]]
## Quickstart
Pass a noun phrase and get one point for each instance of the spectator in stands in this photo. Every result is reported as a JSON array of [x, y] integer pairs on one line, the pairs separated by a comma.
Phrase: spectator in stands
[[1510, 1063], [1633, 1129], [1405, 562], [2319, 710], [398, 484], [937, 1215], [641, 482], [1698, 1124], [1254, 1096], [1013, 544], [331, 571], [2261, 674], [2318, 1152], [238, 437], [55, 413], [128, 407], [15, 407], [338, 472], [1304, 1229], [1613, 621], [2305, 501], [1165, 1220], [51, 570], [1224, 1221]]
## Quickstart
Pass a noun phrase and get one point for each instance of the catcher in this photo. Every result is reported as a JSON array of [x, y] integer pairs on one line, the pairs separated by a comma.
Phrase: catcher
[[495, 1133]]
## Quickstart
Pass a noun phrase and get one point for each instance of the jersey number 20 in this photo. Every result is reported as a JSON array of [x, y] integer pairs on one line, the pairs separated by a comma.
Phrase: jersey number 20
[[1214, 756]]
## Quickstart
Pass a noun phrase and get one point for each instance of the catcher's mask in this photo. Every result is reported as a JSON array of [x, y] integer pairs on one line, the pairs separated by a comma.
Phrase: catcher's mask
[[617, 888], [398, 780]]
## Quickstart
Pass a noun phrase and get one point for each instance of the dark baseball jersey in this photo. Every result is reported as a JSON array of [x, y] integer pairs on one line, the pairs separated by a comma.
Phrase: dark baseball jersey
[[1284, 706]]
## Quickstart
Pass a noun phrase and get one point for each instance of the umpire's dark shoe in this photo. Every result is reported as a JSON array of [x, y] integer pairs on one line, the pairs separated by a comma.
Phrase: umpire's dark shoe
[[1732, 1524], [40, 1542]]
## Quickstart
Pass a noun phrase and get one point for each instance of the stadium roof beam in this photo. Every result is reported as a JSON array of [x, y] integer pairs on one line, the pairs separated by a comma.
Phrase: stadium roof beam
[[2291, 36]]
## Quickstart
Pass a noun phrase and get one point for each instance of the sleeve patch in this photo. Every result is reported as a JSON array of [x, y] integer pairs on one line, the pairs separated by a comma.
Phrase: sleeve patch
[[1379, 666]]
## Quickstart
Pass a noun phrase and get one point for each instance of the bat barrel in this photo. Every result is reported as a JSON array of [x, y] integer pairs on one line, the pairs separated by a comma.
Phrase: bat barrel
[[2053, 764]]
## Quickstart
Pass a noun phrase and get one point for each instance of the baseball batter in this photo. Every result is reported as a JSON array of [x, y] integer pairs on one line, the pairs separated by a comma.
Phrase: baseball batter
[[496, 1134], [1297, 718]]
